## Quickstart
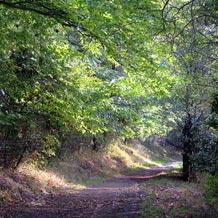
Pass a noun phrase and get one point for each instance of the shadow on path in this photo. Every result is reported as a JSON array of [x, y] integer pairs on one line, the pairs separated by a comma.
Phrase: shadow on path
[[119, 197]]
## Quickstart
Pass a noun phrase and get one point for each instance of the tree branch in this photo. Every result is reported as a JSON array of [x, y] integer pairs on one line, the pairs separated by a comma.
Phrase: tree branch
[[52, 11]]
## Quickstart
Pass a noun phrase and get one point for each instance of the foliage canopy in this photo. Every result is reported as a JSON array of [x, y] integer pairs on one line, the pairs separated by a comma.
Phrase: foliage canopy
[[130, 68]]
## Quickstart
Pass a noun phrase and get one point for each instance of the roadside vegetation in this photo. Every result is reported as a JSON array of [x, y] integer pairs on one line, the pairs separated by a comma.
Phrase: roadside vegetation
[[75, 73], [79, 170], [167, 196]]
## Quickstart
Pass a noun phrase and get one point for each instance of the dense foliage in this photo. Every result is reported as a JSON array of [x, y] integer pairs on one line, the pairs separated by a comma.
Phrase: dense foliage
[[193, 34], [77, 66], [128, 68]]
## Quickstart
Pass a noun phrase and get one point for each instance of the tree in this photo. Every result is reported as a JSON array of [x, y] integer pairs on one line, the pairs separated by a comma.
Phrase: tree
[[192, 33], [76, 66]]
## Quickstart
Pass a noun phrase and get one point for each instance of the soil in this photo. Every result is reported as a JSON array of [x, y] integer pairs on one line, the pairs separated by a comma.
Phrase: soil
[[119, 197]]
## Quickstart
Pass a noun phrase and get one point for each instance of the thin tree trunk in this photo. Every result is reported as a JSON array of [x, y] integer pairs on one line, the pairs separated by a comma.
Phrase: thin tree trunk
[[94, 143], [187, 148]]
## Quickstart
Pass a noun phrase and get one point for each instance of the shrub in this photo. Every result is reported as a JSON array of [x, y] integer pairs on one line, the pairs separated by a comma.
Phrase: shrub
[[210, 186]]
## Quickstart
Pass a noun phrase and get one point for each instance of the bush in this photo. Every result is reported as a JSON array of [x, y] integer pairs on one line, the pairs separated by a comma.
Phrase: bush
[[210, 186]]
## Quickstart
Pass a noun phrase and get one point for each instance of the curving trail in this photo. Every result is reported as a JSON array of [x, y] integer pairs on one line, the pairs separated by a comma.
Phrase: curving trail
[[120, 197]]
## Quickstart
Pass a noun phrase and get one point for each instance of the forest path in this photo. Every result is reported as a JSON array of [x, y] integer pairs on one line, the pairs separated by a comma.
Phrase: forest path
[[119, 197]]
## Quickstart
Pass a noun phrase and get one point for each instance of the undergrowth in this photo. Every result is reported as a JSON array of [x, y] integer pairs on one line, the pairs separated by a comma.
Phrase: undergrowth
[[169, 197], [210, 186], [78, 170]]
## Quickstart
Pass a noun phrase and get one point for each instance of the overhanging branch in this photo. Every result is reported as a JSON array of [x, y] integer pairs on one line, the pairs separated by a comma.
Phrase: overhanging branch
[[50, 10]]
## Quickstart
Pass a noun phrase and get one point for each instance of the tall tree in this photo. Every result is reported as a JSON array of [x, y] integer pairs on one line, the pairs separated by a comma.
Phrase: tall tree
[[192, 32], [81, 65]]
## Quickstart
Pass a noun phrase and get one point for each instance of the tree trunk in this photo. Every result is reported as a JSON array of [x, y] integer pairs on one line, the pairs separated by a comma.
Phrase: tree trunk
[[94, 143], [187, 148]]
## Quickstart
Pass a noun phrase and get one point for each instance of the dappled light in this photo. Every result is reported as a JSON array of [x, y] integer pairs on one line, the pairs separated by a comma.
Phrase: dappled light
[[177, 198], [108, 109]]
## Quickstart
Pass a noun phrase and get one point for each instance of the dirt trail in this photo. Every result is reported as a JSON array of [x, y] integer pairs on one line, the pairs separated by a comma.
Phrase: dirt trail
[[120, 197]]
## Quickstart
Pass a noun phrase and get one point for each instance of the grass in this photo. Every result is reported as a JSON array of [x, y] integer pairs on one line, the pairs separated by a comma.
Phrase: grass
[[90, 167], [169, 197], [210, 186], [165, 197], [79, 170]]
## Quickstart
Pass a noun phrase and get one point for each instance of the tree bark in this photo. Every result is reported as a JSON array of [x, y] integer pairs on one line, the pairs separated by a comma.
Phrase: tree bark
[[187, 148]]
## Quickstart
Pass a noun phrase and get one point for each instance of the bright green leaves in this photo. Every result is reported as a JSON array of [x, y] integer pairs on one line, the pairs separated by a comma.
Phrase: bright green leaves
[[83, 65]]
